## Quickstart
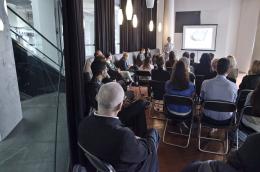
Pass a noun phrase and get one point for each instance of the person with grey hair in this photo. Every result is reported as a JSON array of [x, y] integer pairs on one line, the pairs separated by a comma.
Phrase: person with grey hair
[[104, 135], [132, 115]]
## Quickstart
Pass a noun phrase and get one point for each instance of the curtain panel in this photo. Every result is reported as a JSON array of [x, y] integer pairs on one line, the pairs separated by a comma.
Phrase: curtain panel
[[132, 39], [105, 25]]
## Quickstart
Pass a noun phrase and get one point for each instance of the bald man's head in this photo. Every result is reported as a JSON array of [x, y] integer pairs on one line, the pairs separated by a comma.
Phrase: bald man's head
[[110, 97]]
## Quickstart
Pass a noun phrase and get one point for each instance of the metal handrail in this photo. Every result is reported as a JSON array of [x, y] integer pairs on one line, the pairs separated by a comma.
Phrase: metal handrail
[[46, 39]]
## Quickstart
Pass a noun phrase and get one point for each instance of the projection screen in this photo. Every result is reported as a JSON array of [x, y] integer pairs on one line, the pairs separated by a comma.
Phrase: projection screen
[[199, 37]]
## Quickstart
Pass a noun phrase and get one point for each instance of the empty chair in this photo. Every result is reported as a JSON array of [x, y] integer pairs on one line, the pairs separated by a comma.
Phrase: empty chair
[[100, 165], [157, 93], [217, 106], [176, 117]]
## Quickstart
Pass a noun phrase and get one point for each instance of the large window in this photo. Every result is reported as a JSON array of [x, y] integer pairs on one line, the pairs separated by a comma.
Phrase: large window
[[89, 26], [117, 27]]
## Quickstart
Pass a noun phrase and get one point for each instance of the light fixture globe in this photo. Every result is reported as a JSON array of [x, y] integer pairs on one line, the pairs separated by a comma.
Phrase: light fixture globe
[[135, 21], [149, 3], [151, 26], [159, 27], [1, 25], [120, 17], [129, 10]]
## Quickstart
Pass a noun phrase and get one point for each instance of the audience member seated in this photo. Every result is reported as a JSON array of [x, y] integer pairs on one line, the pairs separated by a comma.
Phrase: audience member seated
[[213, 73], [171, 62], [160, 74], [180, 85], [106, 137], [116, 73], [245, 159], [219, 88], [233, 74], [186, 61], [250, 81], [122, 63], [204, 67], [253, 99], [147, 65], [140, 57], [186, 54], [211, 55], [98, 53], [132, 115], [192, 60], [148, 53]]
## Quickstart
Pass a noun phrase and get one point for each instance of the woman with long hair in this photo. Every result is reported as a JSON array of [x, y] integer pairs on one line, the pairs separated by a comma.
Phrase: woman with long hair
[[147, 65], [179, 84], [233, 74], [204, 67], [172, 60], [250, 81]]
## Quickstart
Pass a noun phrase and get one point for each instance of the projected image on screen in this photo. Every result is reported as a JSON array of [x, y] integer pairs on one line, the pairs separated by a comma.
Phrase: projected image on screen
[[199, 37]]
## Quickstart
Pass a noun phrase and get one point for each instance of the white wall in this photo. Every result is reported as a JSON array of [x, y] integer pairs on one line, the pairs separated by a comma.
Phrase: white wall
[[256, 54], [225, 13], [160, 14], [247, 33], [10, 105]]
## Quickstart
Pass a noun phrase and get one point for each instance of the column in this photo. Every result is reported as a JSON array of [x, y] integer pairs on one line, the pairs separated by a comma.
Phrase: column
[[256, 53], [160, 15], [10, 105], [168, 20]]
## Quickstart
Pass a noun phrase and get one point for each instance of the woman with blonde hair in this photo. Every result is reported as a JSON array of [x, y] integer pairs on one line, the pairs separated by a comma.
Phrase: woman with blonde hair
[[250, 81], [233, 74]]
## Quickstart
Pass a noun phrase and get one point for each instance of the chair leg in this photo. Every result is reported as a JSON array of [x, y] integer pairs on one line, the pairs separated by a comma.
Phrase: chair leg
[[172, 144], [213, 139]]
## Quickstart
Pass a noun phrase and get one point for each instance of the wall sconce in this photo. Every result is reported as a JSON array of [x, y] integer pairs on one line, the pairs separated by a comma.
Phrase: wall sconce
[[159, 27], [151, 26], [135, 21], [129, 10], [120, 17], [1, 25]]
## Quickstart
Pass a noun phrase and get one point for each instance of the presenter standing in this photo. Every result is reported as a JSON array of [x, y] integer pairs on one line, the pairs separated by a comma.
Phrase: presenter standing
[[168, 48]]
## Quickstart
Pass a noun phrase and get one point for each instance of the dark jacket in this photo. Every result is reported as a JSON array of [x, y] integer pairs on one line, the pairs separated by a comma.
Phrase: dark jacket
[[93, 87], [110, 141], [122, 64], [249, 82], [160, 75]]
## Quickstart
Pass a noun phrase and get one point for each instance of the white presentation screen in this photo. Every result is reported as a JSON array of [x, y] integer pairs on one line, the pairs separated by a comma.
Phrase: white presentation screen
[[199, 37]]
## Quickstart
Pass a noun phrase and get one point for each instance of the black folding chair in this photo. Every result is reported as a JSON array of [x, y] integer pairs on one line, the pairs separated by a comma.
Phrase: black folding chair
[[100, 165], [241, 98], [247, 110], [157, 93], [198, 82], [171, 116], [217, 106], [143, 78]]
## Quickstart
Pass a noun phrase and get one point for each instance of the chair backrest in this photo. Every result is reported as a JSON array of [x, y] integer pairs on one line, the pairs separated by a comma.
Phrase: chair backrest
[[100, 165], [143, 73], [241, 98], [219, 106], [157, 89], [198, 82], [176, 100]]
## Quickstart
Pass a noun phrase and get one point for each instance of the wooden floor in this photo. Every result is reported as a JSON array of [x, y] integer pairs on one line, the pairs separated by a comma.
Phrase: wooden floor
[[174, 159]]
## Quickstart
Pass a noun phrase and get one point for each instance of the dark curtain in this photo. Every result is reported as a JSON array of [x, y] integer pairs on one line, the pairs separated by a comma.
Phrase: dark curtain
[[74, 53], [132, 39], [105, 25]]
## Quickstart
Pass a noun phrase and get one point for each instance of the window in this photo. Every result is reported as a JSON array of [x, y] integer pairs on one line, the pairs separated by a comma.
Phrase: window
[[117, 28], [89, 26]]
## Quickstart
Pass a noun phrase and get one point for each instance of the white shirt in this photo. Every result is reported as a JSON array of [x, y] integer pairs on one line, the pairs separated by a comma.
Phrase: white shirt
[[96, 114]]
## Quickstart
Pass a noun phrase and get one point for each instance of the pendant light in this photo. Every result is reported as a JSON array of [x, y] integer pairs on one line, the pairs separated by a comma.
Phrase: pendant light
[[149, 3], [159, 27], [120, 17], [135, 21], [129, 10], [1, 25], [151, 26]]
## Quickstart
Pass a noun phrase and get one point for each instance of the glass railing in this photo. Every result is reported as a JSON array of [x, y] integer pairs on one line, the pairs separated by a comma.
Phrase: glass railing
[[40, 141], [30, 38]]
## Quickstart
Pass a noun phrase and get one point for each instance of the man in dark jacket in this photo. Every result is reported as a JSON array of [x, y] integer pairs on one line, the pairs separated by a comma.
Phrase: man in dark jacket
[[103, 135]]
